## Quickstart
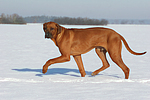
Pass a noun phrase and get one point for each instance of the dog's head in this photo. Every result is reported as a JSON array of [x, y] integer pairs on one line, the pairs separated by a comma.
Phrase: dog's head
[[51, 30]]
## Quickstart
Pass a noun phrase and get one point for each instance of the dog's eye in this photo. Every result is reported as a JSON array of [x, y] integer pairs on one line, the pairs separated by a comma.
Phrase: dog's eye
[[44, 28], [52, 28]]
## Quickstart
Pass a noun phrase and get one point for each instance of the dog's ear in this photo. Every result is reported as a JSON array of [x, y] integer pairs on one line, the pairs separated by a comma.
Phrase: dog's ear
[[58, 29], [44, 27]]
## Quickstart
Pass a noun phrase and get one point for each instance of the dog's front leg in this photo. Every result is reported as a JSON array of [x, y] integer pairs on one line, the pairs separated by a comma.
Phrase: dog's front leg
[[79, 62], [60, 59]]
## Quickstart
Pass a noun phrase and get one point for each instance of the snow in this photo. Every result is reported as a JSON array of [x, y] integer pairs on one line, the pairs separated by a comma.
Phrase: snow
[[23, 51]]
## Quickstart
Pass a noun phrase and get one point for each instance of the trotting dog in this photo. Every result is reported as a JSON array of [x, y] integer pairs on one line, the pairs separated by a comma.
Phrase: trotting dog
[[79, 41]]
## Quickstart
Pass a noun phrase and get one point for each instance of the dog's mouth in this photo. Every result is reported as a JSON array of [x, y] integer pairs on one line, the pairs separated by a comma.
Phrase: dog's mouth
[[48, 35]]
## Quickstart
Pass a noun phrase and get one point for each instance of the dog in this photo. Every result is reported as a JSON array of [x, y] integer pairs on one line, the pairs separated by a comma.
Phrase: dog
[[79, 41]]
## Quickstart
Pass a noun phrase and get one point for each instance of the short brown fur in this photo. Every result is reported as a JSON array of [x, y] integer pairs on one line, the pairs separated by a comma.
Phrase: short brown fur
[[79, 41]]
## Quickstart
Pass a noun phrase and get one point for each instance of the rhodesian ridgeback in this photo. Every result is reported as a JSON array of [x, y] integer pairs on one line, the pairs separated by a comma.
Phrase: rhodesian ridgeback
[[79, 41]]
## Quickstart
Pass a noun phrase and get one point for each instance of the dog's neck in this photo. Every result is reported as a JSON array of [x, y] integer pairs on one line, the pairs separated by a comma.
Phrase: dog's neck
[[60, 34], [58, 37]]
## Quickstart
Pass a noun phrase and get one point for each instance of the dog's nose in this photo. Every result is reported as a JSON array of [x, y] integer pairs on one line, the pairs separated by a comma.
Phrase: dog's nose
[[46, 35]]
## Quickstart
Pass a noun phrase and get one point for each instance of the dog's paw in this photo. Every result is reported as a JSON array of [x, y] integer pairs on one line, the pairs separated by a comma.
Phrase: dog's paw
[[93, 74]]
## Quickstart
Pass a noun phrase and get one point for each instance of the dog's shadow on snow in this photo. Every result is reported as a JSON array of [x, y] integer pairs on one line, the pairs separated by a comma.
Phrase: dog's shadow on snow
[[53, 71], [62, 71]]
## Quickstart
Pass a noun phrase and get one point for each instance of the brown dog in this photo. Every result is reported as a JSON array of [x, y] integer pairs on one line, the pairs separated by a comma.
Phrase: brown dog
[[79, 41]]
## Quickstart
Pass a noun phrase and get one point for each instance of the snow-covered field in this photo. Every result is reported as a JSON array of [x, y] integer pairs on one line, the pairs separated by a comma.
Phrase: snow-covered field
[[24, 50]]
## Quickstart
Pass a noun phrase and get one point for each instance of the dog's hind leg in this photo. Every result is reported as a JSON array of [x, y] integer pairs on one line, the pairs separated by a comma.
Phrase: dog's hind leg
[[101, 52], [120, 63], [115, 54]]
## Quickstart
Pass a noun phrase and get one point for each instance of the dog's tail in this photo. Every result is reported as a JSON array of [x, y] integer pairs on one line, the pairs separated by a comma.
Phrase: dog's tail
[[128, 48]]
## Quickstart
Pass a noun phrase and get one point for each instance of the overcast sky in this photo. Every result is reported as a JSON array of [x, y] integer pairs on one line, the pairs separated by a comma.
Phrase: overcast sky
[[108, 9]]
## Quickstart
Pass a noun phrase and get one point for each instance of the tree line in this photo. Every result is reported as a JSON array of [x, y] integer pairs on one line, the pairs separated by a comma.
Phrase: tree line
[[65, 20], [11, 19], [16, 19], [80, 21]]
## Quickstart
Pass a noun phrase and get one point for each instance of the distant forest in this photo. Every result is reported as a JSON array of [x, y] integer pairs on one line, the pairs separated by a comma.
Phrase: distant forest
[[11, 19], [83, 21], [65, 20], [16, 19]]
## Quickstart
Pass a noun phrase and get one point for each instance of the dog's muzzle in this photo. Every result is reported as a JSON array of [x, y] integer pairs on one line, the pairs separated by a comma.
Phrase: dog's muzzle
[[48, 35]]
